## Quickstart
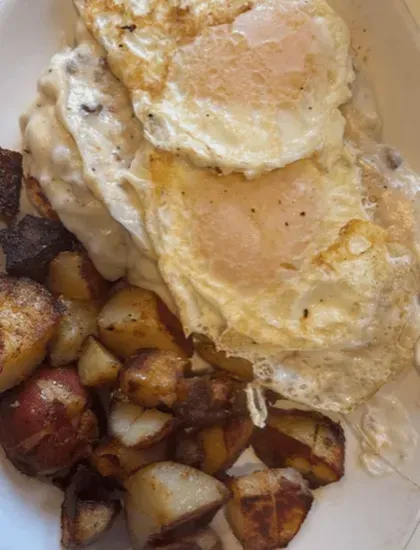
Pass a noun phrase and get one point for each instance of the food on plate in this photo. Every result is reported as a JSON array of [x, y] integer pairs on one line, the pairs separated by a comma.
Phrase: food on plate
[[73, 275], [135, 426], [113, 459], [268, 508], [38, 199], [151, 377], [203, 400], [196, 154], [80, 138], [97, 366], [307, 441], [31, 243], [204, 539], [11, 174], [47, 422], [320, 317], [165, 498], [214, 449], [78, 321], [240, 86], [28, 320], [134, 319], [235, 366], [88, 510]]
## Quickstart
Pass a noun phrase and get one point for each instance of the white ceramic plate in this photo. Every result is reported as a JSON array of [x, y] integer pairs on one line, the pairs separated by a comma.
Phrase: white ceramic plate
[[360, 512]]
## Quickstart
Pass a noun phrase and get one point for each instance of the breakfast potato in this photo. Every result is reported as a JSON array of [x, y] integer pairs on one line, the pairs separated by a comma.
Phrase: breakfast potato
[[88, 511], [47, 422], [268, 508], [97, 366], [78, 321], [166, 498], [238, 368], [73, 275], [216, 448], [112, 459], [28, 320], [150, 378], [11, 174], [135, 319], [204, 400], [135, 426], [31, 244], [38, 199], [305, 440], [204, 539]]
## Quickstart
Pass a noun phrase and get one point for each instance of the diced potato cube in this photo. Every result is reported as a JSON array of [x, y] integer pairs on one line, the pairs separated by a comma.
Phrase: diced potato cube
[[267, 508], [73, 275], [97, 366], [305, 440], [135, 319], [78, 321], [166, 496], [28, 320]]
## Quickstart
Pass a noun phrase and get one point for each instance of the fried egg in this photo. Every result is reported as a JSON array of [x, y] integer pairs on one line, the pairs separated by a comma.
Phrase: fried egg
[[287, 270], [244, 85]]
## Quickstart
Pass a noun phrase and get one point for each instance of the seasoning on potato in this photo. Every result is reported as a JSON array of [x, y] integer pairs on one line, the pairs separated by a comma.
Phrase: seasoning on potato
[[308, 441], [47, 422], [135, 319], [268, 508], [29, 317]]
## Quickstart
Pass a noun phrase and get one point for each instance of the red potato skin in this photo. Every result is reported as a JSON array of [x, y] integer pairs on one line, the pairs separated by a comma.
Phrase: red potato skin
[[47, 424]]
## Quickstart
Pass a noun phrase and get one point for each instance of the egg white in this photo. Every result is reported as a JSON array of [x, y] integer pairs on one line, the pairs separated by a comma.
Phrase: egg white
[[239, 86]]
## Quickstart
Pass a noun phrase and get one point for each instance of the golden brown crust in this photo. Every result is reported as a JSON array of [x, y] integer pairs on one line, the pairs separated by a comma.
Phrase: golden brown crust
[[39, 200], [308, 441], [28, 319]]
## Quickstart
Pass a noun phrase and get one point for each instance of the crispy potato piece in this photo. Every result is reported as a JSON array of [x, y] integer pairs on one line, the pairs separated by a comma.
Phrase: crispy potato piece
[[305, 440], [97, 366], [238, 368], [10, 184], [216, 448], [28, 319], [134, 426], [268, 508], [31, 244], [203, 400], [224, 443], [150, 378], [47, 422], [112, 459], [88, 511], [78, 321], [205, 539], [38, 199], [167, 498], [135, 319], [73, 275]]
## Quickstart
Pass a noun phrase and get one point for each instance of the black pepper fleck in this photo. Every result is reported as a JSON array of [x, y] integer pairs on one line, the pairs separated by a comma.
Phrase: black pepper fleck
[[91, 109], [253, 210], [303, 214], [286, 224], [306, 313], [130, 28]]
